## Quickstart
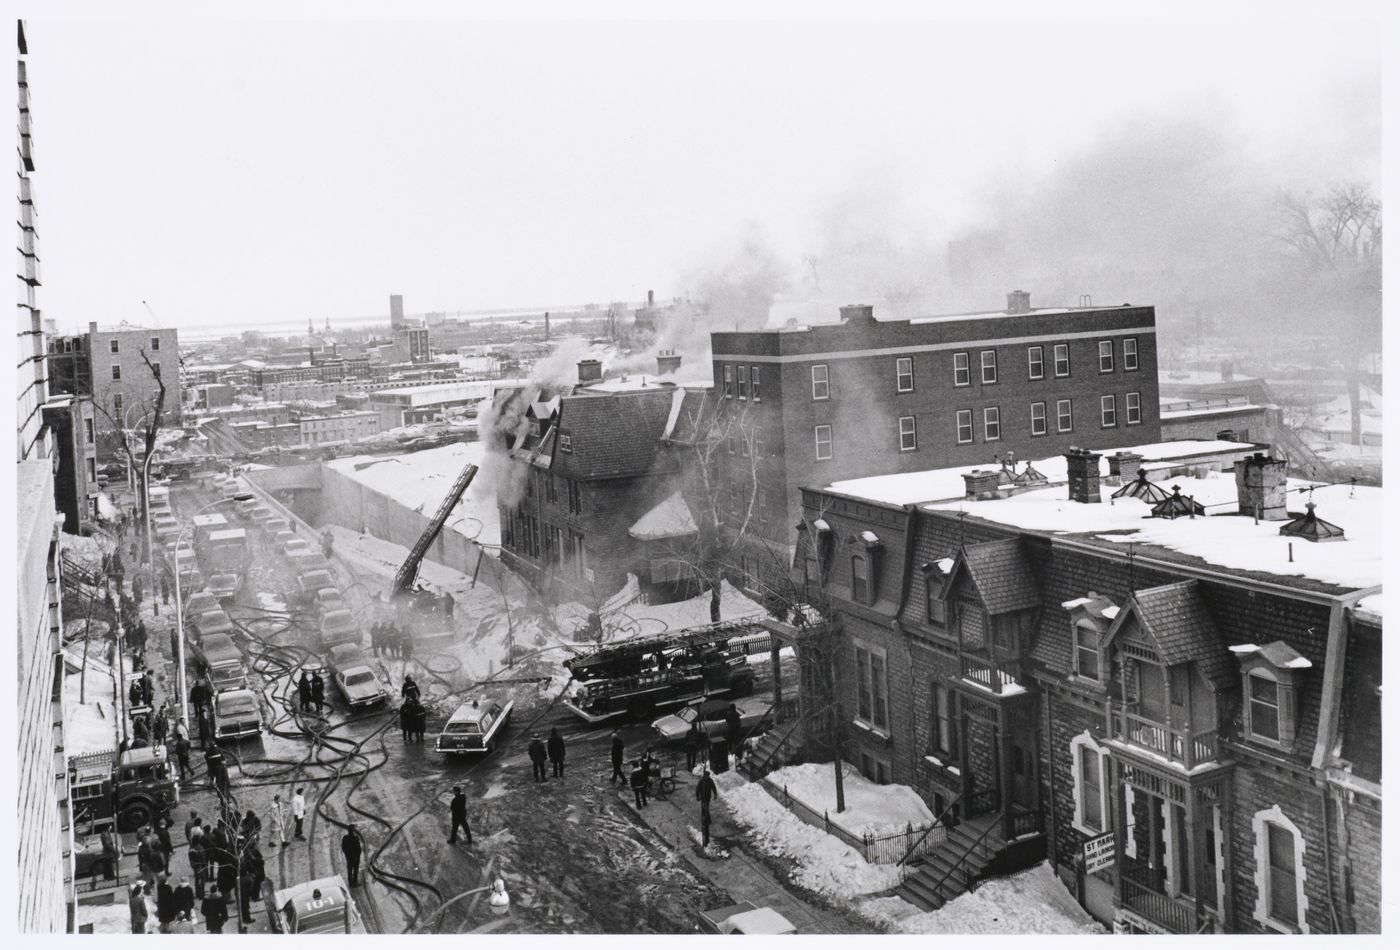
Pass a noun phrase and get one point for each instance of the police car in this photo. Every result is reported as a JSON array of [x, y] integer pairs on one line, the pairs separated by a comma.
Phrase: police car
[[475, 727]]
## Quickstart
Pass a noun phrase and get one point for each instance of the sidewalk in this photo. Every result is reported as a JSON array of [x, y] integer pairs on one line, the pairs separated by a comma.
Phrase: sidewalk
[[744, 877]]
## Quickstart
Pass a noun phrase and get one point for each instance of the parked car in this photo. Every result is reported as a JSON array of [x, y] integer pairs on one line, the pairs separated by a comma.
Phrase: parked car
[[275, 524], [236, 714], [209, 623], [339, 626], [312, 581], [343, 656], [279, 540], [225, 587], [244, 507], [711, 715], [359, 686], [198, 602], [308, 560], [322, 906], [327, 599], [295, 547], [475, 727], [224, 661], [745, 918]]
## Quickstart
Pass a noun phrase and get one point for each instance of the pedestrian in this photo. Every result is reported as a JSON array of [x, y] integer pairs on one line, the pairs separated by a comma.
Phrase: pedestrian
[[184, 900], [556, 752], [251, 827], [420, 720], [199, 864], [299, 812], [406, 718], [213, 758], [459, 816], [138, 589], [304, 691], [692, 745], [279, 820], [410, 689], [705, 791], [165, 904], [167, 846], [227, 879], [215, 913], [734, 726], [136, 901], [140, 731], [182, 755], [638, 781], [148, 679], [617, 758], [537, 756], [351, 846], [159, 725], [192, 825], [248, 887], [182, 731], [136, 695], [318, 692], [111, 853]]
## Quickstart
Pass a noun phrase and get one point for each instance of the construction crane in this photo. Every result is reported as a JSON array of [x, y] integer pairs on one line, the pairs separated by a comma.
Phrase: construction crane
[[408, 573]]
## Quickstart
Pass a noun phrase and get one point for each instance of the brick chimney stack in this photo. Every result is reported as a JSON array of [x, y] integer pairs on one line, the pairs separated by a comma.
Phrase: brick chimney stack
[[856, 315], [1018, 302], [590, 371], [1262, 482], [982, 484], [1083, 470], [667, 361], [651, 299], [1122, 465]]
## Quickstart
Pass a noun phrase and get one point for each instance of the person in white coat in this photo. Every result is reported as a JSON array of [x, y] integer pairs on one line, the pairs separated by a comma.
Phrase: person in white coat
[[299, 812], [279, 820]]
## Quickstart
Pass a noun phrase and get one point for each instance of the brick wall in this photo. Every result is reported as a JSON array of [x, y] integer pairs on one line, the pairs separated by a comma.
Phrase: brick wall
[[1363, 833], [1258, 789]]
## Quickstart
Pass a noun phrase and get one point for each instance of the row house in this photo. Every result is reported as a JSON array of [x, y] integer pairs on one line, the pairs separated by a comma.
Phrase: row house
[[1169, 687]]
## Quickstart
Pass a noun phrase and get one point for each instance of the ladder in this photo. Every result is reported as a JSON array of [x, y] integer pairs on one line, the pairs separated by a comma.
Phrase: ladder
[[408, 572]]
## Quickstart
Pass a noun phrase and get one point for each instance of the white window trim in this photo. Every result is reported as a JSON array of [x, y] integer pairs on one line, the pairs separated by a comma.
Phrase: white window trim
[[988, 366], [1031, 363], [1108, 344], [1059, 427], [728, 373], [991, 415], [965, 369], [1166, 814], [825, 382], [1275, 816], [1108, 405], [872, 650], [1055, 361], [1044, 419], [830, 442], [898, 375], [957, 427], [1077, 785], [913, 434], [1129, 410], [753, 383], [1129, 822], [1127, 353]]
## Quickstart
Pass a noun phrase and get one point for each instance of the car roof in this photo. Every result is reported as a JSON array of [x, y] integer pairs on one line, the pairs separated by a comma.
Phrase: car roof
[[216, 640], [471, 713]]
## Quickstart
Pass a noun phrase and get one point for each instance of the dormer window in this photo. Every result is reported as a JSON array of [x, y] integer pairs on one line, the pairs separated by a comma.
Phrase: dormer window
[[863, 565], [1086, 650], [860, 579], [1090, 617], [1273, 675], [1263, 706], [935, 578]]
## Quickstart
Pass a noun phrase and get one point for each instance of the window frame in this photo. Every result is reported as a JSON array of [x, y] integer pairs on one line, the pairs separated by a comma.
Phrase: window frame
[[1080, 650], [1035, 362], [114, 345], [829, 442], [728, 373], [1251, 724], [1079, 745], [824, 382], [1044, 419], [913, 434], [1108, 412], [1265, 870], [1132, 408], [960, 425], [116, 372], [1064, 409], [860, 579], [943, 716], [1105, 356], [992, 365], [155, 344], [991, 422], [962, 369], [866, 692], [753, 382], [566, 443], [743, 384], [1130, 356], [1060, 354], [903, 368]]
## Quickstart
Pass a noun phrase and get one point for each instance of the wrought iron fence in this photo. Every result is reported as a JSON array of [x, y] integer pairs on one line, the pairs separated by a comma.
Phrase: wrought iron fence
[[914, 841]]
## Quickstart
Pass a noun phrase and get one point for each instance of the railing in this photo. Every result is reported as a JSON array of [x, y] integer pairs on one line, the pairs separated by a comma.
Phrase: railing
[[967, 853], [983, 802], [985, 674], [1190, 750], [876, 849], [917, 849], [1157, 907]]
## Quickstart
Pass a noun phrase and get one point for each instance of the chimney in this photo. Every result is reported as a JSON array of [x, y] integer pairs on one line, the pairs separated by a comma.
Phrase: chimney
[[667, 362], [982, 484], [1122, 465], [1083, 470], [546, 325], [92, 326], [859, 314], [1262, 483], [590, 371], [1018, 302], [651, 299]]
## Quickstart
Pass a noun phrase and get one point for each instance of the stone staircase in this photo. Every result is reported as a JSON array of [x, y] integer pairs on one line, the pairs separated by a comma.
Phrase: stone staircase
[[761, 758], [953, 866]]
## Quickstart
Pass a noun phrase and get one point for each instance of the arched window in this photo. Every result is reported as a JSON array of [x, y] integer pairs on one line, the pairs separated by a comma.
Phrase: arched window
[[1279, 874]]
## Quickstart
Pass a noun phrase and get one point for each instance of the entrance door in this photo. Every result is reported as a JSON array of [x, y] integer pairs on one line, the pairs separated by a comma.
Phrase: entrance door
[[1023, 784]]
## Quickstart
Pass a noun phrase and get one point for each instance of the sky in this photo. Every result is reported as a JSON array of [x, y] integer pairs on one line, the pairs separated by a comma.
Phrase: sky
[[238, 172]]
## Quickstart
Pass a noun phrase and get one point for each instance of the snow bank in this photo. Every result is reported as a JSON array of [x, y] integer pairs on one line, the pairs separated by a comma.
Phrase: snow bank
[[112, 918], [824, 863], [89, 726], [1031, 902], [870, 809]]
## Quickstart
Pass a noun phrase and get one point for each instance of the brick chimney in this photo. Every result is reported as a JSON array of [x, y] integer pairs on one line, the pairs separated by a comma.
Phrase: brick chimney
[[92, 326], [1083, 470], [667, 361], [1262, 482], [1122, 465], [651, 299], [856, 315], [982, 484], [1018, 302], [590, 371]]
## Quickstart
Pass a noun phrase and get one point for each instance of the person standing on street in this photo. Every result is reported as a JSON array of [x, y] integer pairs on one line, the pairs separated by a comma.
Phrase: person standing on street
[[638, 781], [352, 845], [318, 692], [537, 756], [705, 791], [459, 816], [299, 812], [692, 745], [617, 758], [410, 689], [136, 901], [182, 756], [556, 752], [734, 728], [184, 900], [111, 853], [165, 904], [279, 820], [199, 864], [304, 691], [215, 913]]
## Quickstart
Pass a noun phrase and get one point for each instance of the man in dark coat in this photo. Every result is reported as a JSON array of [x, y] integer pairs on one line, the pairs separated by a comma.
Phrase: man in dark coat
[[706, 791], [227, 879], [184, 900], [537, 756], [638, 781], [617, 758], [420, 719], [351, 846], [304, 691], [459, 816], [692, 745], [318, 692], [165, 903], [182, 757], [556, 752], [410, 689], [734, 727], [406, 718], [215, 913]]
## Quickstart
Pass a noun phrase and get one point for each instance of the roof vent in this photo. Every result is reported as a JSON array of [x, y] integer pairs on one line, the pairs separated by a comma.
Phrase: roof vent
[[1018, 302], [1177, 506], [1143, 489], [1310, 527]]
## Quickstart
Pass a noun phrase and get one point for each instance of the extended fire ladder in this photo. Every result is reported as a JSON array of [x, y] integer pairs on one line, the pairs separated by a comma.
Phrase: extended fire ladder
[[408, 572]]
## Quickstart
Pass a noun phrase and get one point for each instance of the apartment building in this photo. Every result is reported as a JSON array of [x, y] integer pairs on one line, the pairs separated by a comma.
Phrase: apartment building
[[110, 366]]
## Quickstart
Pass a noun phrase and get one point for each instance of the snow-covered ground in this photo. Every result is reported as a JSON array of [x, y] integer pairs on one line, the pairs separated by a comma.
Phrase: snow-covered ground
[[870, 809], [90, 726], [1031, 902], [113, 918]]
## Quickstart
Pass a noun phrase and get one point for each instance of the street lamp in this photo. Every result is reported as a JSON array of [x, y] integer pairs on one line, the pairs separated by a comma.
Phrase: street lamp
[[180, 605], [145, 495]]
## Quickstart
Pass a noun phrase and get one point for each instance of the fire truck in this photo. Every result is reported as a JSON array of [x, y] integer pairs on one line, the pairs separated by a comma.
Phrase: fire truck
[[127, 791], [636, 677]]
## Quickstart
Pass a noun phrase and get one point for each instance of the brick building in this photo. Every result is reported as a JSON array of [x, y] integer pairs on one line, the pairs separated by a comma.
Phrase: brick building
[[867, 396], [1177, 705], [107, 365]]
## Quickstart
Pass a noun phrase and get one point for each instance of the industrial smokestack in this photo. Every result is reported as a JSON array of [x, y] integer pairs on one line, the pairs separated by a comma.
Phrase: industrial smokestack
[[651, 299], [1018, 302], [395, 311]]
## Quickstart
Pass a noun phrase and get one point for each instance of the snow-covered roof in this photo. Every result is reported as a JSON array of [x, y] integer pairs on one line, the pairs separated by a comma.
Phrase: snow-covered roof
[[1371, 605], [669, 519], [626, 384]]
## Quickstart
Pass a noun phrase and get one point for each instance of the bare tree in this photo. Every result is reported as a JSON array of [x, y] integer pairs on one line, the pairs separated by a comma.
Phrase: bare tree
[[1334, 240], [151, 419]]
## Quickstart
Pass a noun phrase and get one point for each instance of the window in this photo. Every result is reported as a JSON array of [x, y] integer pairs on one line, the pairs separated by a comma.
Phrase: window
[[577, 553], [87, 428], [823, 437], [1065, 415], [1134, 404], [117, 405], [155, 344], [728, 381], [964, 426], [1281, 899], [1105, 356], [116, 346], [1061, 359], [566, 443], [907, 440], [155, 368], [1086, 651], [860, 579], [989, 366], [92, 471], [1038, 418], [731, 438], [904, 374], [757, 442], [743, 382], [943, 733], [1263, 707], [116, 370], [743, 441], [551, 490], [871, 692], [1130, 360], [991, 424], [961, 376], [1108, 412], [575, 497], [937, 609], [753, 373], [1089, 766], [1035, 356], [821, 382]]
